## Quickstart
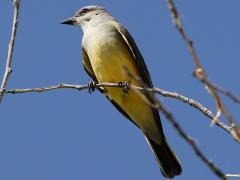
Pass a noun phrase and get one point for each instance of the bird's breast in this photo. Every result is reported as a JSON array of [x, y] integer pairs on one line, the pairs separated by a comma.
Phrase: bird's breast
[[109, 54]]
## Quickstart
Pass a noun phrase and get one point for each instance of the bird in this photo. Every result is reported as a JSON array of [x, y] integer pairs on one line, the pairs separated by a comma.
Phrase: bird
[[108, 50]]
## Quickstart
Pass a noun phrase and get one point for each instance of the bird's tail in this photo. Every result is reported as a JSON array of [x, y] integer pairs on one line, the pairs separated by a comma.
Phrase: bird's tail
[[168, 161]]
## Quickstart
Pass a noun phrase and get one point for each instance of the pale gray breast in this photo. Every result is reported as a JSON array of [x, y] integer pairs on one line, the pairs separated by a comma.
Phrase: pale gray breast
[[103, 35]]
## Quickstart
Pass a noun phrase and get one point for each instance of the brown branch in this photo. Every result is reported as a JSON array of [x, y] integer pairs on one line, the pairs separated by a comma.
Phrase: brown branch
[[227, 93], [200, 73], [164, 93], [8, 68]]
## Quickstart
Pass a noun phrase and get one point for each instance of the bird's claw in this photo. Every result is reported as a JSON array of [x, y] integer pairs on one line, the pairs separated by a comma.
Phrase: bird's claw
[[91, 87], [125, 86]]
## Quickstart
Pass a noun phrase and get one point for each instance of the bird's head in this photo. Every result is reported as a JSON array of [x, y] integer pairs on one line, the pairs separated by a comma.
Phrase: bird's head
[[85, 15]]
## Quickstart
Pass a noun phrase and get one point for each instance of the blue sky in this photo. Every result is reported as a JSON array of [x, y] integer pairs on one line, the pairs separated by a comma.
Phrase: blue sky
[[66, 134]]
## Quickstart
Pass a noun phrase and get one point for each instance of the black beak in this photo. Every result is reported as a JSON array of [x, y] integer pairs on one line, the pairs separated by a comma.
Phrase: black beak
[[69, 21]]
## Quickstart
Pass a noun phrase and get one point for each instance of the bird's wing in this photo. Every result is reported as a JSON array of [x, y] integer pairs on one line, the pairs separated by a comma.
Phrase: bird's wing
[[87, 65], [135, 53], [139, 61]]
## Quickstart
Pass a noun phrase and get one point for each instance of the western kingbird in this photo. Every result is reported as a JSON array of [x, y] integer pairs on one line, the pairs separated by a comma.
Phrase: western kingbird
[[107, 49]]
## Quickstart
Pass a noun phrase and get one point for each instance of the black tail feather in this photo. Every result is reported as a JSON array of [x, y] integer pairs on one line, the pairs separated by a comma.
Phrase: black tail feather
[[169, 163]]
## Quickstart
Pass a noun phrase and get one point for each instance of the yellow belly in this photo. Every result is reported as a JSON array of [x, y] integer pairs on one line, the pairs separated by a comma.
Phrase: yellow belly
[[107, 62]]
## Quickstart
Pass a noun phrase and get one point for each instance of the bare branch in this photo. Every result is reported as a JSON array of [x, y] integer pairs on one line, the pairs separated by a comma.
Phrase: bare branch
[[233, 175], [8, 68], [49, 88], [227, 93], [164, 93], [200, 73]]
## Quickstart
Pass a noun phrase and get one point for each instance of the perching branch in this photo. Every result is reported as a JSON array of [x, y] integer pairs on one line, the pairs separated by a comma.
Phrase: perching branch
[[8, 68], [202, 76], [164, 93]]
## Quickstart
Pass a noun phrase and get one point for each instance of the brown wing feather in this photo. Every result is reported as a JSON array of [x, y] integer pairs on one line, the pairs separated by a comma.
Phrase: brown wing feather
[[136, 54], [87, 65], [139, 61]]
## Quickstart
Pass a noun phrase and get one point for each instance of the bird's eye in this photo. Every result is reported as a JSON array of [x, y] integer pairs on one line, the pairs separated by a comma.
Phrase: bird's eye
[[84, 10]]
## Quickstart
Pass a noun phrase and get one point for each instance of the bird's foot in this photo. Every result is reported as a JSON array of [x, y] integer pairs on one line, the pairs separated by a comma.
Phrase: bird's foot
[[91, 87], [125, 86]]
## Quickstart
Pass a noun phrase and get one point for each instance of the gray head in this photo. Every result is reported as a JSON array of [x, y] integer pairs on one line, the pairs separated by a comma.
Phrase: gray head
[[88, 14]]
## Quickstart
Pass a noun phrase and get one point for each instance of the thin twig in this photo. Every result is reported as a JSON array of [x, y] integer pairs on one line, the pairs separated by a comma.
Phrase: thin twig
[[227, 93], [233, 175], [200, 73], [8, 68], [164, 93]]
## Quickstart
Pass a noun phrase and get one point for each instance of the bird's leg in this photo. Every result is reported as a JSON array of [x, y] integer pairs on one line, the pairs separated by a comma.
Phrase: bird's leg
[[125, 86], [91, 87]]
